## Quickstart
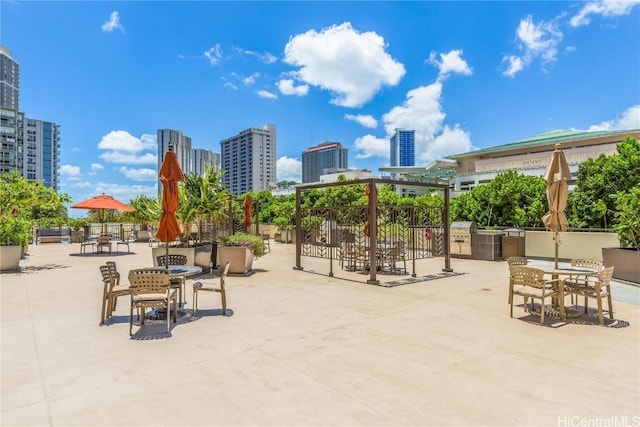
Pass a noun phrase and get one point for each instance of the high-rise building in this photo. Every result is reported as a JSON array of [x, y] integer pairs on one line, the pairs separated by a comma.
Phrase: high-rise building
[[9, 80], [201, 158], [181, 146], [321, 158], [29, 146], [41, 154], [402, 148], [249, 160]]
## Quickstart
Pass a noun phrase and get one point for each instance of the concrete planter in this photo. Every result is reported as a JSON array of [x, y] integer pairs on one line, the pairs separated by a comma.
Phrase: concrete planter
[[10, 257], [240, 257], [77, 236], [626, 262]]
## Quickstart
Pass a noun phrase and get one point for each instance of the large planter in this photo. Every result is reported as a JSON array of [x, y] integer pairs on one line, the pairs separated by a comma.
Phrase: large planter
[[77, 236], [10, 257], [240, 257], [626, 262]]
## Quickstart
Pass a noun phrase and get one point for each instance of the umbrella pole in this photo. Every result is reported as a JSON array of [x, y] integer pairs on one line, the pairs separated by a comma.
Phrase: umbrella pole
[[556, 245], [166, 259]]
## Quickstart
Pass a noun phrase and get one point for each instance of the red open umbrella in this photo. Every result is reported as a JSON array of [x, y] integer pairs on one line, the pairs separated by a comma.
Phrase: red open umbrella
[[170, 174], [248, 210], [103, 202]]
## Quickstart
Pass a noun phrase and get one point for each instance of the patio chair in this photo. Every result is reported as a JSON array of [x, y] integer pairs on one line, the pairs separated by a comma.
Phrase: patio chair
[[150, 289], [84, 243], [125, 242], [348, 252], [399, 253], [103, 241], [593, 287], [584, 263], [530, 283], [211, 287], [177, 282], [513, 261], [266, 238], [112, 289]]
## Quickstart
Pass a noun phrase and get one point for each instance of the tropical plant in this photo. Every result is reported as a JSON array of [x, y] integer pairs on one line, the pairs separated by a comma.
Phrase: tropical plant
[[252, 241], [15, 231], [627, 215], [590, 204], [147, 211]]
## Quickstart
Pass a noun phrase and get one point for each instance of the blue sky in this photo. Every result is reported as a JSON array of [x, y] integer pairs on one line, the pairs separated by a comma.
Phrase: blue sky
[[465, 75]]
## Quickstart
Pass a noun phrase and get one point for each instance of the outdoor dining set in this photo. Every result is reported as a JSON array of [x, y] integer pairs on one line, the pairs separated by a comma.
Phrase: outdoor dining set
[[160, 289], [585, 278]]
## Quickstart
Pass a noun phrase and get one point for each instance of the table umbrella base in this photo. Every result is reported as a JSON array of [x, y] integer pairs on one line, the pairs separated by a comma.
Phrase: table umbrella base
[[554, 311], [161, 313]]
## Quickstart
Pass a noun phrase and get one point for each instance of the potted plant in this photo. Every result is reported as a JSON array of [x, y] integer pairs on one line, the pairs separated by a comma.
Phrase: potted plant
[[626, 258], [77, 229], [240, 249], [15, 234]]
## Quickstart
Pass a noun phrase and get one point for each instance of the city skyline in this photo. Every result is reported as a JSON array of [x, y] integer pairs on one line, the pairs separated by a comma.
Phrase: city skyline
[[463, 75]]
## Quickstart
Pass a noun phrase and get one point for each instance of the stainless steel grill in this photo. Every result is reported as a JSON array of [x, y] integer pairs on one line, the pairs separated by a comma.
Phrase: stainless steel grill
[[460, 240]]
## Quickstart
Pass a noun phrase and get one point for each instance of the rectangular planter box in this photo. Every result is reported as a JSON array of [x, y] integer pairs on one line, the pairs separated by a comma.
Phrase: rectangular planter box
[[240, 257], [625, 261]]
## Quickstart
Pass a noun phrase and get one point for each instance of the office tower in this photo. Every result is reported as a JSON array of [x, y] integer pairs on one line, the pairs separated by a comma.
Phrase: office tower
[[181, 146], [29, 146], [249, 160], [41, 153], [326, 156], [402, 148], [201, 158], [9, 80]]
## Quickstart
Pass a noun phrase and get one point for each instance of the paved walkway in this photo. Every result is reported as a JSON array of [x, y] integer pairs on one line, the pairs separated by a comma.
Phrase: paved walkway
[[302, 348]]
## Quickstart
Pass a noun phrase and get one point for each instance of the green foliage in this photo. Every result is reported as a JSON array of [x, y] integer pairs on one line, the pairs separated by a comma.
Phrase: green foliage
[[253, 241], [285, 212], [590, 204], [15, 231], [77, 223], [147, 211], [22, 202], [510, 199], [627, 216]]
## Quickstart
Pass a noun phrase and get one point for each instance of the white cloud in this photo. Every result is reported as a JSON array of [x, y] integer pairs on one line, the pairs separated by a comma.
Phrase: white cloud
[[248, 81], [69, 171], [230, 85], [536, 41], [142, 174], [121, 140], [129, 158], [265, 57], [288, 87], [369, 146], [603, 8], [629, 119], [451, 62], [422, 112], [214, 54], [267, 94], [113, 23], [96, 166], [353, 66], [449, 141], [289, 169], [364, 120]]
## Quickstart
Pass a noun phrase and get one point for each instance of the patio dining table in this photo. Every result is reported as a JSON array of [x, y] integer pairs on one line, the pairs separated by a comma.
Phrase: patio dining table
[[558, 274], [176, 271]]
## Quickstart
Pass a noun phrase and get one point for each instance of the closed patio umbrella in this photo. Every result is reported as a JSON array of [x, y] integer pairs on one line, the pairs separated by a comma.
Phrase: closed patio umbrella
[[170, 174], [248, 210], [557, 174], [101, 203]]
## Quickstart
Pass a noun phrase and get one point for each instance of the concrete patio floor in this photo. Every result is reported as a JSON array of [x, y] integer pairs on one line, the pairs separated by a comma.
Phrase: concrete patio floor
[[299, 348]]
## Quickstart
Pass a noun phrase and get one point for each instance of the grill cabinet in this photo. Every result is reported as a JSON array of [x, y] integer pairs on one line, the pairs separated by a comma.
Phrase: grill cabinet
[[460, 233]]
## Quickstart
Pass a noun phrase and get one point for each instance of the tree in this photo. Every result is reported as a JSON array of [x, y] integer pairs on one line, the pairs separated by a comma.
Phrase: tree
[[591, 204], [510, 199]]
